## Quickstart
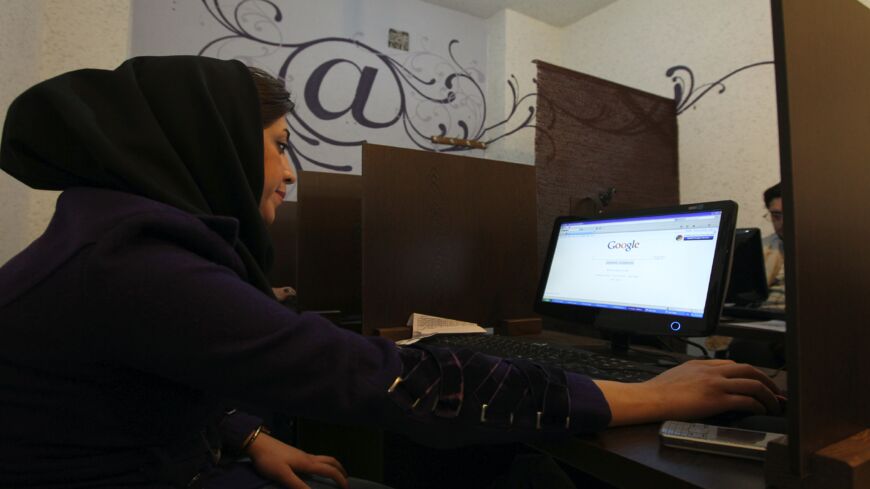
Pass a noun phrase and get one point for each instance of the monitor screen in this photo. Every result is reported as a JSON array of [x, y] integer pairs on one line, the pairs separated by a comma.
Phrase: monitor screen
[[748, 282], [660, 271]]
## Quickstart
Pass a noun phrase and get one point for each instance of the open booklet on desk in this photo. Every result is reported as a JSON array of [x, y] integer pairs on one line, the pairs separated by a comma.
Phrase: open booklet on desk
[[423, 326]]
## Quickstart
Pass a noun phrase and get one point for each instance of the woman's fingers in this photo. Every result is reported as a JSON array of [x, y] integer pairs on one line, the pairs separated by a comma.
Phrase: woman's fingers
[[748, 404], [754, 390], [742, 370], [326, 459], [330, 472], [758, 388], [289, 478]]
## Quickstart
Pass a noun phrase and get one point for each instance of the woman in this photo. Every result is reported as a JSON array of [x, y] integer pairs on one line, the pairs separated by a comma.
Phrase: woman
[[144, 306]]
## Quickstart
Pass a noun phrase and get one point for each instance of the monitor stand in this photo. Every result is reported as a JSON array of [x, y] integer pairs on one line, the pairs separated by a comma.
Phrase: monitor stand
[[619, 343], [620, 347]]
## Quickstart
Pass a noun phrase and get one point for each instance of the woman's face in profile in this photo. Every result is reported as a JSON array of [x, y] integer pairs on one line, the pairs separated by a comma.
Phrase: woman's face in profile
[[277, 173]]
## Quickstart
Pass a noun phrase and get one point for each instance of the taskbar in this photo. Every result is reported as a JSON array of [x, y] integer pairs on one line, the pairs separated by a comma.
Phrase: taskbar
[[670, 312]]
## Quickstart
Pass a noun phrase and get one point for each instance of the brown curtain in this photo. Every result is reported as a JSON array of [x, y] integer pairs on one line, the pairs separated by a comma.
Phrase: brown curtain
[[591, 135]]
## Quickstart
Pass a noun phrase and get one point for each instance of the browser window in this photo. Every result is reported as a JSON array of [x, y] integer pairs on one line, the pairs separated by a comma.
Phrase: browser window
[[656, 264]]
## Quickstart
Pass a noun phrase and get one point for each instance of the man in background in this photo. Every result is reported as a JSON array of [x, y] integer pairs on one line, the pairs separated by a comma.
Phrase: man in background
[[769, 354], [774, 257]]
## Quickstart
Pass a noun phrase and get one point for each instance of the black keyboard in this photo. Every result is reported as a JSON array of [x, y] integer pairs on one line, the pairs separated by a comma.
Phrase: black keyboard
[[584, 362]]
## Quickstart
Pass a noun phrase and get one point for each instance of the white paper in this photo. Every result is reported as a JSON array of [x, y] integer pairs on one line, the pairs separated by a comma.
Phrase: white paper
[[413, 339], [423, 326]]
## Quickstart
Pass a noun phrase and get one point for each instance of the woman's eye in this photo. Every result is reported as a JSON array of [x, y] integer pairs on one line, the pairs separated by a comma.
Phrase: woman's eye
[[282, 147]]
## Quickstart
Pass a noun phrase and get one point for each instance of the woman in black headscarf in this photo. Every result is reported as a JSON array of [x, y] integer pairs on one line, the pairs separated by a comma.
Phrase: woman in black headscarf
[[144, 306], [180, 157]]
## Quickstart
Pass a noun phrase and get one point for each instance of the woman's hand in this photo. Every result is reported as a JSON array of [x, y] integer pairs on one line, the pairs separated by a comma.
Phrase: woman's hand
[[283, 293], [280, 462], [695, 389]]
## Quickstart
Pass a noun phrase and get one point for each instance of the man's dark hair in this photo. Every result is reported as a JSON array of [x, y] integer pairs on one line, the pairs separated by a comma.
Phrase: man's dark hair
[[275, 100], [772, 193]]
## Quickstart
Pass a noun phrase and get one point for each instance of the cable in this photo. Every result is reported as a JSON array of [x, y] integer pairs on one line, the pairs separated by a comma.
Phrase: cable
[[696, 345], [664, 344]]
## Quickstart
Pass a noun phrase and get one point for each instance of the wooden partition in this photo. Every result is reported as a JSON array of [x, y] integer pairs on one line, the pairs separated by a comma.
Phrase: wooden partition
[[823, 88], [446, 235], [593, 134], [284, 234], [329, 276]]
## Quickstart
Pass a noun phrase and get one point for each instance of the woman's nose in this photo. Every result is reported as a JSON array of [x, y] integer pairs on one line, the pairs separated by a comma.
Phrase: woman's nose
[[289, 174]]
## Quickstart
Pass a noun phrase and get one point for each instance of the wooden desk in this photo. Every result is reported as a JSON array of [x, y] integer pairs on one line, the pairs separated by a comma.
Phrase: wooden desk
[[631, 456]]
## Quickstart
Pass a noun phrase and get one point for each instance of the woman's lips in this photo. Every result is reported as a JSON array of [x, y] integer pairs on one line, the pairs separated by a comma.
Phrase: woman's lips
[[282, 194]]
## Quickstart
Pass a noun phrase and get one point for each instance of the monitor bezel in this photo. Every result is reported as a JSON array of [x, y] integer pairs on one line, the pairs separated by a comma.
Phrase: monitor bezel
[[645, 323]]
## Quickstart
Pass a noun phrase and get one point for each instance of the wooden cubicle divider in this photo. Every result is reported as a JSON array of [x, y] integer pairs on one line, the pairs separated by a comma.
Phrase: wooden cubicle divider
[[592, 135], [284, 240], [441, 234], [823, 90], [329, 268], [446, 235], [329, 279]]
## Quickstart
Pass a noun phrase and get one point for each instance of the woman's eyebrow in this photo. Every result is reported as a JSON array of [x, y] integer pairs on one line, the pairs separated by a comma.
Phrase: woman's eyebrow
[[287, 132]]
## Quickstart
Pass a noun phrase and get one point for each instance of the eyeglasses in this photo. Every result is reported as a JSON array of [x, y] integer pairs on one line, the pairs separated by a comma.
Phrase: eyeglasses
[[773, 216]]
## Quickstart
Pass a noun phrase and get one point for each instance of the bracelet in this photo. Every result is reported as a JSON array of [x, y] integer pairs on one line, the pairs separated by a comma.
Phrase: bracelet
[[253, 436]]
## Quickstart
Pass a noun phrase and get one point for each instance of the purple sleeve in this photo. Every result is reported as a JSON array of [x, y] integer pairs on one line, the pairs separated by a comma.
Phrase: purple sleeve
[[590, 410], [504, 399], [235, 428], [168, 310]]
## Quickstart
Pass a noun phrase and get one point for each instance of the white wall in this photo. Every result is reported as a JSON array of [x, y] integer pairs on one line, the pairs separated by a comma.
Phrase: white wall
[[514, 41], [497, 92], [18, 69], [40, 39], [728, 143]]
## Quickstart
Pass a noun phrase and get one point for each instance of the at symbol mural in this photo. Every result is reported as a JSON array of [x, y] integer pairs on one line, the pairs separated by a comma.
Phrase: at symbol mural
[[426, 94]]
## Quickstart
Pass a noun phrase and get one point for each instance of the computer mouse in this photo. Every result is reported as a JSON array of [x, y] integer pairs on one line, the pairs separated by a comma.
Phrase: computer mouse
[[727, 418], [760, 422]]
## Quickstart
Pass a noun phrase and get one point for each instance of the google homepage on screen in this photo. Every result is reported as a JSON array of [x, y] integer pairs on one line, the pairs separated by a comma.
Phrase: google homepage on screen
[[657, 264]]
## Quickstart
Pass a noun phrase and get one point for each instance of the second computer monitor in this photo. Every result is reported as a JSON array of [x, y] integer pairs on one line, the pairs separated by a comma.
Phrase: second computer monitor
[[647, 272], [748, 283]]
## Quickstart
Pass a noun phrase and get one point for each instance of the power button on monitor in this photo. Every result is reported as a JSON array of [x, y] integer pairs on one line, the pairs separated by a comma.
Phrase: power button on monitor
[[675, 326]]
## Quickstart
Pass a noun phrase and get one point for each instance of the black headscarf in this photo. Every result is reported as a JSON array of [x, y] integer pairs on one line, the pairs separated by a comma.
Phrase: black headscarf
[[182, 130]]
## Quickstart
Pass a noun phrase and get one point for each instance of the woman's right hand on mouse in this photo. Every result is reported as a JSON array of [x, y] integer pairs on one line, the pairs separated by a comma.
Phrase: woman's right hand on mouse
[[695, 389]]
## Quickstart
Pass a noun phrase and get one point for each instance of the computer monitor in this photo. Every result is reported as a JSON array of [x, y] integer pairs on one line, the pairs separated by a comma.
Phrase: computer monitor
[[646, 272], [748, 282]]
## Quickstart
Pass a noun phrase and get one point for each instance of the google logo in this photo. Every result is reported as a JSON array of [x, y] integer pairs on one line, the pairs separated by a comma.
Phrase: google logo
[[613, 245]]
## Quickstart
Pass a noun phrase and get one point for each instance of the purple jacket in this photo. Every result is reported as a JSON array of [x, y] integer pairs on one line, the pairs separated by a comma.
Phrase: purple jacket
[[128, 324]]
